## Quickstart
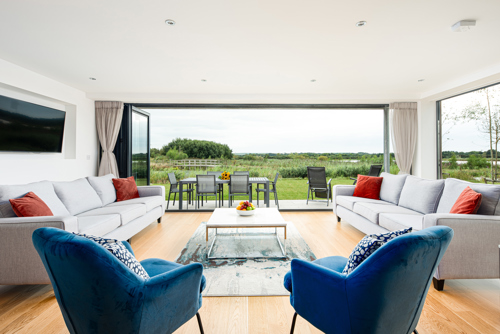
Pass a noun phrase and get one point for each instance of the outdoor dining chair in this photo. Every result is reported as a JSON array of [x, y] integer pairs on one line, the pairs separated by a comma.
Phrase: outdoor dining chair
[[175, 189], [244, 172], [318, 185], [221, 185], [375, 170], [206, 186], [271, 190], [238, 186]]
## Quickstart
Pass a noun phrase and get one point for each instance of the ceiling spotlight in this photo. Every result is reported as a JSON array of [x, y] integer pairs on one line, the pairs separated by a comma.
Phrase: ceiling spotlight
[[421, 80], [360, 24], [204, 80], [170, 22], [313, 80], [93, 79], [463, 26]]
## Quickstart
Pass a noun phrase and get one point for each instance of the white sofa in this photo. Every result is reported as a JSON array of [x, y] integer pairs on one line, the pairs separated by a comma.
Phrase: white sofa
[[86, 205], [411, 201]]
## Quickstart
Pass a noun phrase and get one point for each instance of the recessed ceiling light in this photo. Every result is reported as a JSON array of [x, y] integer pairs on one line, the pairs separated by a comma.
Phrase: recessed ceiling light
[[421, 80], [313, 80], [463, 26], [204, 80], [170, 22], [92, 78], [360, 24]]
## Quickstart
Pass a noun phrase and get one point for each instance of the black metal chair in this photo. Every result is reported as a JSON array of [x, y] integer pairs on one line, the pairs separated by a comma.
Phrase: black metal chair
[[205, 186], [318, 185], [271, 190], [221, 185], [375, 170], [238, 186], [175, 189]]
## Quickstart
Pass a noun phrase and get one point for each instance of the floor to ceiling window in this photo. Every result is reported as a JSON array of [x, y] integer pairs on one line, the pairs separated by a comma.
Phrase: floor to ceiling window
[[469, 131]]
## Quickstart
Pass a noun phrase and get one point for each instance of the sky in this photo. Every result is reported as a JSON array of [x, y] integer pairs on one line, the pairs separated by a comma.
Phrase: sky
[[273, 130]]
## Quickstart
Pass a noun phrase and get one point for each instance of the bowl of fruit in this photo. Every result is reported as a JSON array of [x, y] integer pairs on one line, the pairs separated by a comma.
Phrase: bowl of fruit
[[245, 209]]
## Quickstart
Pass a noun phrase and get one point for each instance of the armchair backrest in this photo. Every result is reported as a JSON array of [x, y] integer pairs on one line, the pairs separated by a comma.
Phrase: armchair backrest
[[241, 172], [217, 174], [386, 293], [238, 184], [205, 184], [90, 283], [316, 177], [276, 178], [172, 180], [375, 170]]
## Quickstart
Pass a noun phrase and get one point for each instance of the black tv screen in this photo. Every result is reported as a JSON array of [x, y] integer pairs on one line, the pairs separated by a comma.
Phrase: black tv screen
[[29, 127]]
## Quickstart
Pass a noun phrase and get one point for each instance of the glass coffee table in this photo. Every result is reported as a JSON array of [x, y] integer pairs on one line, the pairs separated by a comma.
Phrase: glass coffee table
[[268, 218]]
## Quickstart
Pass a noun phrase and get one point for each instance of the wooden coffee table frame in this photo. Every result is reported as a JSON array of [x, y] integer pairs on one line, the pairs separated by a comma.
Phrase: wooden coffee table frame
[[276, 226]]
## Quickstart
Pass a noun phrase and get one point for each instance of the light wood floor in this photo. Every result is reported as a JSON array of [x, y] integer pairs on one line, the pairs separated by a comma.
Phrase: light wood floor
[[466, 306]]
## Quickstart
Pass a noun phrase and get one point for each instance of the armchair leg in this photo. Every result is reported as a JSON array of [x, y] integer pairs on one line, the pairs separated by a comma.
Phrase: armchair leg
[[338, 219], [438, 284], [159, 220], [308, 191], [293, 323], [199, 322], [415, 331]]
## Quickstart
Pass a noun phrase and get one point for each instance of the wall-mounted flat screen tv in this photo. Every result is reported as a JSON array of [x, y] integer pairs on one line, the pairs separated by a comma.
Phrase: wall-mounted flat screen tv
[[29, 127]]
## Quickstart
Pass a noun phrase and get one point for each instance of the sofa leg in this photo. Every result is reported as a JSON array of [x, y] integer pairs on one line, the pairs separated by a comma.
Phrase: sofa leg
[[438, 284], [159, 220], [293, 323], [338, 219], [199, 322]]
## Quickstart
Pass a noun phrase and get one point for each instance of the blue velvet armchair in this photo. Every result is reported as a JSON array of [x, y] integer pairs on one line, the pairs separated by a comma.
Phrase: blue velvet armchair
[[97, 293], [385, 294]]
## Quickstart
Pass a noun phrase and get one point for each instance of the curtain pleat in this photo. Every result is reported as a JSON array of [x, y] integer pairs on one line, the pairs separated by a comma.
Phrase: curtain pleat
[[108, 115], [404, 127]]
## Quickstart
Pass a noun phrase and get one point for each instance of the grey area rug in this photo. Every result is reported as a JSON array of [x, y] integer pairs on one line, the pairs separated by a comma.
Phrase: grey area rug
[[245, 277]]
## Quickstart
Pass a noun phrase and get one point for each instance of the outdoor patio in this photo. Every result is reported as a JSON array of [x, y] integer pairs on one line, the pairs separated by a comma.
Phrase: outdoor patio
[[285, 205]]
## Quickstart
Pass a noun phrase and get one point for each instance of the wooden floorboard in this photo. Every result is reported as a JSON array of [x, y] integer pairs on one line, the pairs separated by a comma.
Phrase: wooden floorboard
[[465, 306]]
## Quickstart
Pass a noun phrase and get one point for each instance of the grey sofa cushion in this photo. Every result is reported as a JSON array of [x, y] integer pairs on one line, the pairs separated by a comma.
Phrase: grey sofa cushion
[[127, 212], [349, 201], [397, 221], [392, 185], [78, 196], [43, 189], [421, 195], [98, 225], [453, 188], [103, 186], [151, 202], [372, 211]]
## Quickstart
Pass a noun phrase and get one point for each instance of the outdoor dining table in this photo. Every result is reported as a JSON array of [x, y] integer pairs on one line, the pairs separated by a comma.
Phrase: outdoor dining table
[[252, 180]]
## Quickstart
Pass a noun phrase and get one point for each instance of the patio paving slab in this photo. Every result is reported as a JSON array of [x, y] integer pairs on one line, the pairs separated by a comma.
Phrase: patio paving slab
[[285, 205]]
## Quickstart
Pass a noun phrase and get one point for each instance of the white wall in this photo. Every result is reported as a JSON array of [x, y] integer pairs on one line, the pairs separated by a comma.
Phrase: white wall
[[80, 146]]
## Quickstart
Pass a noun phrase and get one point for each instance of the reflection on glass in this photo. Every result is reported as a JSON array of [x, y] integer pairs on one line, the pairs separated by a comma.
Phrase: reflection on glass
[[140, 148]]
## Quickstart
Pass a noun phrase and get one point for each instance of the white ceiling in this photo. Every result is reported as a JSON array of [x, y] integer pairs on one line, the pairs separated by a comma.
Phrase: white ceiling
[[251, 47]]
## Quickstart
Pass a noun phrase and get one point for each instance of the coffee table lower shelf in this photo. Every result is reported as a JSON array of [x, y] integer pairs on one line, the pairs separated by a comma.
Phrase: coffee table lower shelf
[[282, 246]]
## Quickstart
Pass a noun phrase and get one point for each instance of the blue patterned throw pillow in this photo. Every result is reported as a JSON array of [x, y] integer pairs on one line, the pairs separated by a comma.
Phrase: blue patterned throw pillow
[[120, 251], [368, 245]]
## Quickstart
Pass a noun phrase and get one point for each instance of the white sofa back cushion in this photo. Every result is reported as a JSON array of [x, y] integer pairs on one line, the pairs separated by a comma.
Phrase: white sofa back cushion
[[421, 195], [392, 185], [43, 189], [103, 186], [453, 188], [78, 196]]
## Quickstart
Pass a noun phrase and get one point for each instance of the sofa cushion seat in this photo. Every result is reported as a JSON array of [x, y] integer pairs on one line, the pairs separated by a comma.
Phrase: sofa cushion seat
[[43, 189], [127, 212], [78, 196], [371, 211], [151, 202], [348, 201], [397, 221], [98, 225]]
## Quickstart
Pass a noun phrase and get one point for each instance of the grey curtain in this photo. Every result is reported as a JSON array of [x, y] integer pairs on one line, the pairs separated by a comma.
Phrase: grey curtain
[[108, 116], [404, 127]]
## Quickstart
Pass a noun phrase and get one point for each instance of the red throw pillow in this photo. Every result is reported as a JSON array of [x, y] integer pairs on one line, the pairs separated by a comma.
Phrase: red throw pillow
[[30, 205], [468, 202], [125, 189], [368, 187]]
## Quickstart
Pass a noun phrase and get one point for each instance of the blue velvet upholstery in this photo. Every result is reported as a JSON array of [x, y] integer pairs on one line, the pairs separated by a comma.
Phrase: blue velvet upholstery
[[385, 294], [97, 293]]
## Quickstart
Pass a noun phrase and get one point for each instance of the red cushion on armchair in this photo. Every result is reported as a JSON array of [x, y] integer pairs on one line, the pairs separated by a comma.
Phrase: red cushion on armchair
[[368, 187]]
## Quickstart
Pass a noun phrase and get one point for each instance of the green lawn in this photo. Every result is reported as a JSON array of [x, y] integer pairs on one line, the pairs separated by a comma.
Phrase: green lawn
[[288, 189]]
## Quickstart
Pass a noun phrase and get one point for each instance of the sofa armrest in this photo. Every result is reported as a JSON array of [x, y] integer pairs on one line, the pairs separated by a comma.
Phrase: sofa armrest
[[341, 190], [473, 252], [145, 191], [19, 261]]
